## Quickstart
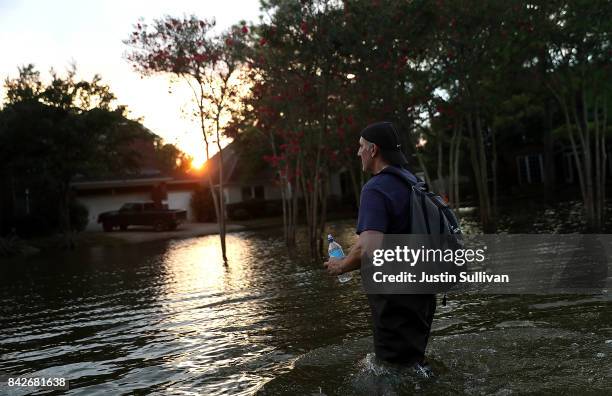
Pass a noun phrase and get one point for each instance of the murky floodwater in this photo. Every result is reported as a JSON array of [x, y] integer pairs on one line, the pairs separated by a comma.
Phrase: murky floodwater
[[171, 318]]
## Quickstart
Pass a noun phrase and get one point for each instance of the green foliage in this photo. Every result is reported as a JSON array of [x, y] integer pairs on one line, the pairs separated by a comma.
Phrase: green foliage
[[172, 160], [407, 58], [210, 64], [50, 133], [69, 127], [503, 73]]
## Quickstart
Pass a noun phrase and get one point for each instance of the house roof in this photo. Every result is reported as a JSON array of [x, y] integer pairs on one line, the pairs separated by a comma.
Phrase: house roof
[[128, 182], [230, 161], [149, 169], [236, 170]]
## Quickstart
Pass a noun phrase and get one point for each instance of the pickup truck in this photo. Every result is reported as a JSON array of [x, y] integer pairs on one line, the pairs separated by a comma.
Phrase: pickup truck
[[142, 214]]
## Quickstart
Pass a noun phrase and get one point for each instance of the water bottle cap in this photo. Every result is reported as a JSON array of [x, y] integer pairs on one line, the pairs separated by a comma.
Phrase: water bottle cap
[[330, 238]]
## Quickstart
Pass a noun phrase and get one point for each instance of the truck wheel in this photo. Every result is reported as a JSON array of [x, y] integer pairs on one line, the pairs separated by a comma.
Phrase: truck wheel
[[159, 226], [107, 227], [123, 227], [172, 227]]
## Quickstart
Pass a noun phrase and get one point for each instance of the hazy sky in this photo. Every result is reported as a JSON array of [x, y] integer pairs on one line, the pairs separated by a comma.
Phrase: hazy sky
[[53, 33]]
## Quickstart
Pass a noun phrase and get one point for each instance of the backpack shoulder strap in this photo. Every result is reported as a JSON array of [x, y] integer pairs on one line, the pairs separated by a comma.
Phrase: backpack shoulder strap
[[392, 170]]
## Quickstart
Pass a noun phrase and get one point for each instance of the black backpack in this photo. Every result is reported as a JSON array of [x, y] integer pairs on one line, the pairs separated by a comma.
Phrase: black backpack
[[431, 215]]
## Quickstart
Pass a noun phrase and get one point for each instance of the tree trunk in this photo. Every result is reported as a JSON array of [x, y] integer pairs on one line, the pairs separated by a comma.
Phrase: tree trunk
[[65, 221], [215, 196], [439, 173], [356, 188], [221, 219], [312, 226], [323, 216], [584, 165], [604, 155], [474, 160], [488, 222], [293, 219], [307, 205], [456, 197], [451, 171], [579, 169], [315, 235], [600, 162], [549, 156], [584, 134], [494, 171], [284, 188], [598, 207], [478, 159], [424, 168], [291, 204]]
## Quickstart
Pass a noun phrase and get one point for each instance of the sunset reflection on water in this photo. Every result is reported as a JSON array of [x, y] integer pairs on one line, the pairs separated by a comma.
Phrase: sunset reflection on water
[[198, 264], [212, 307]]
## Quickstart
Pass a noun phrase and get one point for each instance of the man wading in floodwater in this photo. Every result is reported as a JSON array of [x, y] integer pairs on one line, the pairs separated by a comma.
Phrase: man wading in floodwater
[[402, 322]]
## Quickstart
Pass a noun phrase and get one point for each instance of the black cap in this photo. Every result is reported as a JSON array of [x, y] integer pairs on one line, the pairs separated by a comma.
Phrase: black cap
[[385, 136]]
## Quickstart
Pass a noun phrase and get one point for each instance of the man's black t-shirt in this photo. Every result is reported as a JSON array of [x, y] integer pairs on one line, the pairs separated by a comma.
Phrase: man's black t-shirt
[[402, 322]]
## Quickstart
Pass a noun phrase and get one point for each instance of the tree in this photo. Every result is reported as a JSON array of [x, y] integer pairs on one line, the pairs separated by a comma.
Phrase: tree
[[172, 160], [210, 65], [577, 61], [475, 61], [57, 131], [297, 103]]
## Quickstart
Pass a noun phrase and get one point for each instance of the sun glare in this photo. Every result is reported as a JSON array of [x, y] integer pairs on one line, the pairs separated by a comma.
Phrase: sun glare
[[197, 163]]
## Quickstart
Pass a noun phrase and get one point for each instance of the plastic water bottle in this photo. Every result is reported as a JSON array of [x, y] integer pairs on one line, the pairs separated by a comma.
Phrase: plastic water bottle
[[335, 251]]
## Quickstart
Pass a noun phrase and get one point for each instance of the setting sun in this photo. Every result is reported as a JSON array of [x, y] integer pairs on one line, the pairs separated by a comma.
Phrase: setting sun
[[197, 163]]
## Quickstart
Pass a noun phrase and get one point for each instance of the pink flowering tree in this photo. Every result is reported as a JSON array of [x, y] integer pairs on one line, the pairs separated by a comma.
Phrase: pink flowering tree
[[210, 65]]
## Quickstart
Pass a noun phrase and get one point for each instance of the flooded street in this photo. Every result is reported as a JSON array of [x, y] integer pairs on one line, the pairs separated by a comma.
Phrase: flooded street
[[172, 318]]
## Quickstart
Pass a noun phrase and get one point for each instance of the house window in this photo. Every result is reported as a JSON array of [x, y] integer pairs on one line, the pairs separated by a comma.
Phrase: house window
[[252, 192], [530, 168]]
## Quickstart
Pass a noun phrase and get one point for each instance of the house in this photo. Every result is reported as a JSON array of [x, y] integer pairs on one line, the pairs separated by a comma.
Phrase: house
[[529, 164], [242, 181], [149, 183], [106, 195], [250, 181]]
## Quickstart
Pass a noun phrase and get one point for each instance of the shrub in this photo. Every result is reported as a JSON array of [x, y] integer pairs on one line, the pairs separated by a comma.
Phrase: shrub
[[240, 214], [12, 246], [31, 225], [79, 216]]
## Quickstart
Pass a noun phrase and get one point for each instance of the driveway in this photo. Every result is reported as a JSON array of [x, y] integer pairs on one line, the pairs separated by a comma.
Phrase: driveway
[[137, 234]]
